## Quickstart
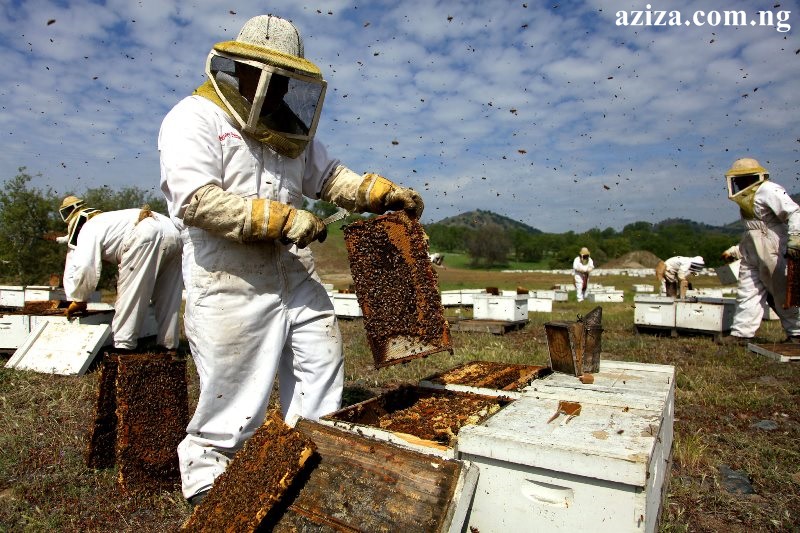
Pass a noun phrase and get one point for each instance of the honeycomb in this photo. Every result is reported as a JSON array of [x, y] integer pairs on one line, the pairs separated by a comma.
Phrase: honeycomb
[[792, 282], [141, 415], [397, 289], [490, 375], [255, 480], [429, 414]]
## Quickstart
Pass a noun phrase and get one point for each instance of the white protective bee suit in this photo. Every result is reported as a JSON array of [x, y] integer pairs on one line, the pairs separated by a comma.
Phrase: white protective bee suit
[[255, 306], [148, 256], [580, 273], [673, 274], [770, 216]]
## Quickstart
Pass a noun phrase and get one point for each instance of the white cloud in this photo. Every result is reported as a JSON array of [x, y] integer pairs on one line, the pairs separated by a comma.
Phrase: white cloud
[[550, 114]]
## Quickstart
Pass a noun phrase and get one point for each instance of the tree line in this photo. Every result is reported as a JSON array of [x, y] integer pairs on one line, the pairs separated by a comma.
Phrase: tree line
[[29, 218], [491, 245]]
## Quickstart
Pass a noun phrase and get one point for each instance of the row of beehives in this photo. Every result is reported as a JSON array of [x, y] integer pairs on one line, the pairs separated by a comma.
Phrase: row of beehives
[[557, 453], [32, 322], [703, 314]]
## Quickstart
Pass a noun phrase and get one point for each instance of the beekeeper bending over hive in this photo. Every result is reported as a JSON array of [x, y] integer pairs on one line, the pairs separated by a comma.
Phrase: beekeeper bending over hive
[[237, 158], [772, 229], [146, 248], [581, 267], [673, 274]]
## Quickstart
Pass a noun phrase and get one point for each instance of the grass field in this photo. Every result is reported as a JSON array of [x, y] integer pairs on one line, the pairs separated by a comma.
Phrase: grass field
[[721, 394]]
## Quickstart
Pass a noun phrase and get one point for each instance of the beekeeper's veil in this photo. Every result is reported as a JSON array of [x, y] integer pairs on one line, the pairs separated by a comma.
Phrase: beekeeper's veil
[[263, 81]]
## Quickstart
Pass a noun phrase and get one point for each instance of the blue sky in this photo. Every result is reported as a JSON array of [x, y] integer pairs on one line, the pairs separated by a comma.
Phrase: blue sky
[[549, 113]]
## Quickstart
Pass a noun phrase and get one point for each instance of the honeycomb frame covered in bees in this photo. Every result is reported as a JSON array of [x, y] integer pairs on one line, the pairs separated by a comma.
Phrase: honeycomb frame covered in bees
[[142, 409], [255, 480], [397, 289]]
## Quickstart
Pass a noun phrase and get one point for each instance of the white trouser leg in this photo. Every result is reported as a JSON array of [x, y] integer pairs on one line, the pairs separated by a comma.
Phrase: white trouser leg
[[579, 288], [137, 273], [249, 309], [167, 293]]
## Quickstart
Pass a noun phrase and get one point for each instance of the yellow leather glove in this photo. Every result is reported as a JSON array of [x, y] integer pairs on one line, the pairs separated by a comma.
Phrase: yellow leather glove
[[302, 228], [253, 219], [370, 193], [74, 309], [793, 247]]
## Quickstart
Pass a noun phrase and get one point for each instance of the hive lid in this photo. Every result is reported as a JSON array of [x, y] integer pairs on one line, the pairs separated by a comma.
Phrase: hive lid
[[66, 348], [397, 289], [601, 442]]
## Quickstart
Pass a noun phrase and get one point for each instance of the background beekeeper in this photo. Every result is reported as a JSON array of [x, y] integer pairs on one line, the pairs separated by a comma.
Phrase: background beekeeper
[[146, 248], [237, 158], [772, 229], [581, 267], [672, 275]]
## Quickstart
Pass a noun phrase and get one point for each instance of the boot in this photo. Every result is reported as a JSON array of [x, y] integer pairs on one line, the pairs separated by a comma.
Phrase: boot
[[733, 340]]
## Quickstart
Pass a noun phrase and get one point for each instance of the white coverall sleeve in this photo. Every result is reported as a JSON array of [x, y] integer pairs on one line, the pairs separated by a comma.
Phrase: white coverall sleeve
[[83, 266], [191, 156], [784, 208]]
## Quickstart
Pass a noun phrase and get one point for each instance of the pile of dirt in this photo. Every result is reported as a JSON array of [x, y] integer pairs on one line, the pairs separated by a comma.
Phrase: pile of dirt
[[640, 259]]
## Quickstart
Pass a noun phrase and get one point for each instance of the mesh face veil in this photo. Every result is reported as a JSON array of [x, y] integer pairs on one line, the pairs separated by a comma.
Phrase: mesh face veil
[[263, 98]]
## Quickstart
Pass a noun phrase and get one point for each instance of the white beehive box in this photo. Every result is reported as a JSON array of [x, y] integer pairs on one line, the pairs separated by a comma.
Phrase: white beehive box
[[603, 470], [643, 385], [451, 298], [36, 293], [468, 295], [64, 348], [13, 330], [548, 294], [654, 311], [561, 296], [488, 307], [728, 274], [12, 295], [710, 315], [346, 305], [540, 305], [643, 288], [611, 296]]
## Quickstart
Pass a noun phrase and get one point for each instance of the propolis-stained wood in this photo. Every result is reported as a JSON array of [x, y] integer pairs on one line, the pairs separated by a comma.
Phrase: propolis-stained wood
[[360, 484], [396, 288]]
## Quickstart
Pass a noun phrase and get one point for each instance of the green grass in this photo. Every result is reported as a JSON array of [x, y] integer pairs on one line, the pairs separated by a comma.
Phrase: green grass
[[720, 393]]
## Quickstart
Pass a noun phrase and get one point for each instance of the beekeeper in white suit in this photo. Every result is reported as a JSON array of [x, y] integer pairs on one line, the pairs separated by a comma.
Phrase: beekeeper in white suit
[[772, 222], [146, 248], [581, 267], [237, 158], [673, 274]]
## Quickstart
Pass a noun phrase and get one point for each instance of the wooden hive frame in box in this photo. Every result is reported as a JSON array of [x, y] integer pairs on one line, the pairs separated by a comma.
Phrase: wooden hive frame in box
[[397, 289]]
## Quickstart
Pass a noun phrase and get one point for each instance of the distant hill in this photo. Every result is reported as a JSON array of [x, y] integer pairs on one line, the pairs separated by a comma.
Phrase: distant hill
[[733, 228], [479, 218]]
